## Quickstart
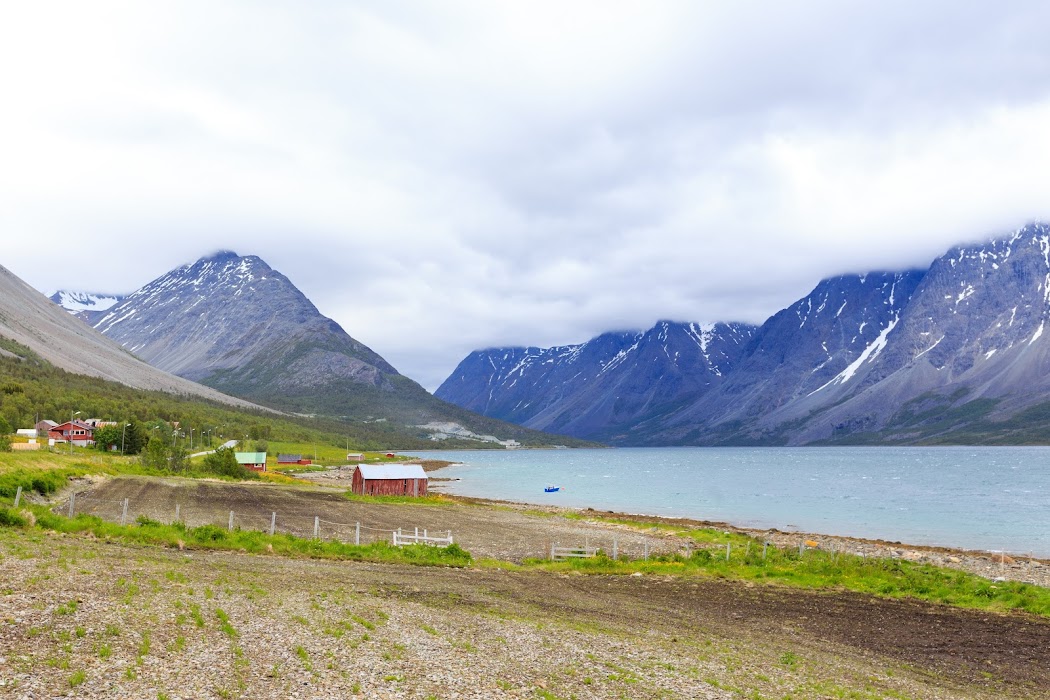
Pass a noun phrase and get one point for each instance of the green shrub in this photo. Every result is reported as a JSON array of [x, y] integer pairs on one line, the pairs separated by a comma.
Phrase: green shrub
[[9, 518]]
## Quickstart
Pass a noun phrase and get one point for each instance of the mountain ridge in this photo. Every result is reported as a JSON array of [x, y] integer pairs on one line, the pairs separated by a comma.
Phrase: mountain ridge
[[874, 356], [237, 325]]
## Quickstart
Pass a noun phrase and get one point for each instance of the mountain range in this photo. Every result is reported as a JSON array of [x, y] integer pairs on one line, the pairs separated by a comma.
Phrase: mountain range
[[957, 352], [236, 325]]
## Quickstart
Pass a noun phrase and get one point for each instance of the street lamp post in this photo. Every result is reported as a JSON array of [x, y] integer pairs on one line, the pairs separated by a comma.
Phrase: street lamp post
[[71, 414], [122, 438], [191, 439]]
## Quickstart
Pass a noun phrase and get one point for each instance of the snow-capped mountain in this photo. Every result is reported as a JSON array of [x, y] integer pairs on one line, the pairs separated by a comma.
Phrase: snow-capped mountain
[[602, 387], [235, 324], [957, 352], [87, 305]]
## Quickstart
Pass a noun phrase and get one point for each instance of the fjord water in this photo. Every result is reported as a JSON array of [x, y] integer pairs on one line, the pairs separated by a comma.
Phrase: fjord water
[[989, 498]]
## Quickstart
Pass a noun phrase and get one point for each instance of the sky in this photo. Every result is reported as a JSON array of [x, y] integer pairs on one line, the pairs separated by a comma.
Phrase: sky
[[440, 177]]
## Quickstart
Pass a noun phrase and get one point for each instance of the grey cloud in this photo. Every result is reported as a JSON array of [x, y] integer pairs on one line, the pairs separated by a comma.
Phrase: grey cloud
[[440, 177]]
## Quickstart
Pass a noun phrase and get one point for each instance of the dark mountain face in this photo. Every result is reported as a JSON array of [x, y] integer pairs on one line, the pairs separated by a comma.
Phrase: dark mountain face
[[813, 346], [602, 387], [959, 352]]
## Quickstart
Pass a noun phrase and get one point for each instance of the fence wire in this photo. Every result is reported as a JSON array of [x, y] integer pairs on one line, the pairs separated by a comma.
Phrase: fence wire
[[298, 524]]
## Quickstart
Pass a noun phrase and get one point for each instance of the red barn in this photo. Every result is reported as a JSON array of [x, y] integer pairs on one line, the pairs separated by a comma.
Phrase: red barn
[[389, 480]]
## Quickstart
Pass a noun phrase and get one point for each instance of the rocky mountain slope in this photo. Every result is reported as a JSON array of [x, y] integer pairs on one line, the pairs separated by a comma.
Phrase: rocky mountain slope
[[27, 317], [959, 352], [235, 324], [604, 386]]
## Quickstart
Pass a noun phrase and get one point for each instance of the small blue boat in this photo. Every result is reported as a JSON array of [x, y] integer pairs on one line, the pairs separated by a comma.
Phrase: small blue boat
[[551, 489]]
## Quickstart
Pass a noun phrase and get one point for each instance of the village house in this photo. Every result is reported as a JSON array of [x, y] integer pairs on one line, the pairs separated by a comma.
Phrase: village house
[[44, 427], [389, 480], [81, 434]]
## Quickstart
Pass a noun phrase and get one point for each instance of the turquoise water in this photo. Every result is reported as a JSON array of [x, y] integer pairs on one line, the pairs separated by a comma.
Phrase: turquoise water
[[990, 498]]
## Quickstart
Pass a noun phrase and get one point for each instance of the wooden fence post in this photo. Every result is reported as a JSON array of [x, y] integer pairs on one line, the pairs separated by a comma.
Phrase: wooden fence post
[[124, 514], [273, 522], [72, 500], [18, 496], [317, 526], [177, 512], [727, 550], [230, 527], [647, 550], [616, 548], [765, 546], [801, 548], [357, 533]]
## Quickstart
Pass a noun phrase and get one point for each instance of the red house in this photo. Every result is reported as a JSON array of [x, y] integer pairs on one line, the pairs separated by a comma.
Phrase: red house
[[82, 434], [389, 480]]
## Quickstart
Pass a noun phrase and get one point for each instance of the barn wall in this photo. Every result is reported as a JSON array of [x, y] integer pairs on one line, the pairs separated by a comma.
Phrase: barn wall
[[392, 487]]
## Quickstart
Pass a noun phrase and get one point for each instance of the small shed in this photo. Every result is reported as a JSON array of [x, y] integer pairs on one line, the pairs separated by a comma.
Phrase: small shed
[[44, 426], [252, 460], [289, 459], [389, 480], [355, 457]]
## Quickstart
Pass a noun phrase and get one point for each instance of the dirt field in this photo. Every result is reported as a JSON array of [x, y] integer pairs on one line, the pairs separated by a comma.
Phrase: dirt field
[[486, 531], [98, 620], [91, 619]]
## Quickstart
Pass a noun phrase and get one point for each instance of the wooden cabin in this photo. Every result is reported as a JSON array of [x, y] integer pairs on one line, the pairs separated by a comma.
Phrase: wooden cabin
[[389, 480], [292, 459]]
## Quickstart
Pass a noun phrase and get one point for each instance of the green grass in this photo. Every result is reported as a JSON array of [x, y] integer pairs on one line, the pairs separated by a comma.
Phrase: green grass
[[151, 532], [435, 500], [817, 569]]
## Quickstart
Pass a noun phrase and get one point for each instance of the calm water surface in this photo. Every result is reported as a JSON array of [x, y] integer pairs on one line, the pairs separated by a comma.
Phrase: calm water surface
[[991, 498]]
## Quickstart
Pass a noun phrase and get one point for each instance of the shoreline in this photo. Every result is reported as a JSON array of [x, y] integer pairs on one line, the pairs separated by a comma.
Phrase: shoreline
[[1007, 557], [996, 566], [993, 565]]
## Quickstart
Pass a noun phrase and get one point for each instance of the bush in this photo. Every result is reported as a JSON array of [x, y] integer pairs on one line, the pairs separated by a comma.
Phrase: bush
[[208, 533], [9, 518], [5, 443]]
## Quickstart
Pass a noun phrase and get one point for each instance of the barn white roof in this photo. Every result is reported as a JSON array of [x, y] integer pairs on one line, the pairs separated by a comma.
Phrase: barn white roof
[[392, 471]]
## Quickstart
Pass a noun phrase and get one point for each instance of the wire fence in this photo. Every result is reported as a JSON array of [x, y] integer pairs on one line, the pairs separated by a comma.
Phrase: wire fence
[[307, 525], [298, 524]]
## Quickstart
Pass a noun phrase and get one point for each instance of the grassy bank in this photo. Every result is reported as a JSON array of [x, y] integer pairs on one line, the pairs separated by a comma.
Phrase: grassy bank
[[177, 535]]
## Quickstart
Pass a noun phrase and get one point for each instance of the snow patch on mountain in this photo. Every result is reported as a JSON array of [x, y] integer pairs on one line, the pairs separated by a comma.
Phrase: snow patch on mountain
[[76, 302]]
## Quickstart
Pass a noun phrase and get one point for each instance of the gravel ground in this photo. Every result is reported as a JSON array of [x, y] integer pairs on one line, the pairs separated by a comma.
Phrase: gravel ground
[[94, 619]]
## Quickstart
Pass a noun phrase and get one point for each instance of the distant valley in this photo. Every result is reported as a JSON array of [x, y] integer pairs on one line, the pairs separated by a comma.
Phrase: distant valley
[[955, 353]]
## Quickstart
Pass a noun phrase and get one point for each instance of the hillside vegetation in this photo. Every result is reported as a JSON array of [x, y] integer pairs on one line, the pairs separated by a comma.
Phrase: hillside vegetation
[[32, 389]]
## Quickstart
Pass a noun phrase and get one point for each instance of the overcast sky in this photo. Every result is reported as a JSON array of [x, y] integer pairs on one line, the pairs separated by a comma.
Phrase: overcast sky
[[445, 176]]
